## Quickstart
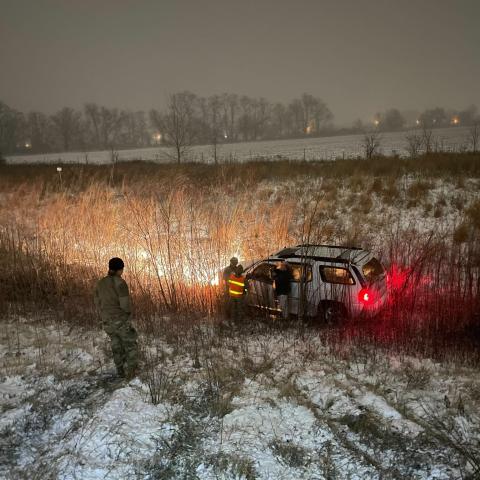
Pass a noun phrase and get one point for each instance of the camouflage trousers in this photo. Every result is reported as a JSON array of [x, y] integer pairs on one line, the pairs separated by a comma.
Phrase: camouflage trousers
[[124, 345]]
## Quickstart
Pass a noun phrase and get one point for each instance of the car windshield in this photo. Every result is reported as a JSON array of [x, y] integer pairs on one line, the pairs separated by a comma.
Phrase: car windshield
[[373, 270]]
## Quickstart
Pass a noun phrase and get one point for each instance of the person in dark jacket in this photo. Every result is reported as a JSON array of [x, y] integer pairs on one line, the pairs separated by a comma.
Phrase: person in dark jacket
[[282, 278]]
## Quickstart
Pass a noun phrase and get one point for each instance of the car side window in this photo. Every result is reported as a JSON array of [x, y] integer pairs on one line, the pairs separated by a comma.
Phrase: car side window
[[263, 273], [336, 275], [301, 272]]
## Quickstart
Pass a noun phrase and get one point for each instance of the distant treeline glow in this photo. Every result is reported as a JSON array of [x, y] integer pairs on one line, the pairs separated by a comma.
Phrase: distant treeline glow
[[188, 119]]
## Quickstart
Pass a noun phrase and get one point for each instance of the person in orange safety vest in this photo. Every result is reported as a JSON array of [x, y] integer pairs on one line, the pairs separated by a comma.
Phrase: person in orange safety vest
[[236, 292]]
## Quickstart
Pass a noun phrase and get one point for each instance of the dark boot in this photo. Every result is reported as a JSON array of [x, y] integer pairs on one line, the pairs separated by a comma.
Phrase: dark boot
[[130, 374]]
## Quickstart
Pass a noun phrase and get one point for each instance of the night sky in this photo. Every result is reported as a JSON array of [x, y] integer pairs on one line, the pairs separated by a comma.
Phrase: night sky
[[359, 56]]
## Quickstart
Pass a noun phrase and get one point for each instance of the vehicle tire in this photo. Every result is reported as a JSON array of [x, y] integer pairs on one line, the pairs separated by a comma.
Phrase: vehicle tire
[[332, 313]]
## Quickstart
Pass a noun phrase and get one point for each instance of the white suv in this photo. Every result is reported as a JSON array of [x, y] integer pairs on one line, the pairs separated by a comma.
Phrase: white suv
[[329, 282]]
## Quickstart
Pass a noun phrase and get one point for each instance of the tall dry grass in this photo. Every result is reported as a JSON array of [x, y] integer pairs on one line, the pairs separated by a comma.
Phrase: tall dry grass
[[174, 242], [176, 227]]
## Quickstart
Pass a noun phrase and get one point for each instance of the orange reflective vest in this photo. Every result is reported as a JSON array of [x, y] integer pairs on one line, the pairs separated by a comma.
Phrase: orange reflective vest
[[236, 286]]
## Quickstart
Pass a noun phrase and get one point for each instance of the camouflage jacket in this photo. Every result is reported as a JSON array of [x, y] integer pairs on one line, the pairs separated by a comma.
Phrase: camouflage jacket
[[112, 299]]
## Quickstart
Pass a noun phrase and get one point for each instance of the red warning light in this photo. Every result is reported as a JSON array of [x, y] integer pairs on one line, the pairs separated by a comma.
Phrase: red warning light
[[366, 296]]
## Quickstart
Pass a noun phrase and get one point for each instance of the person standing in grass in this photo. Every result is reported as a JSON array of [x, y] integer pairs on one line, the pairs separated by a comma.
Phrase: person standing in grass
[[229, 270], [282, 278], [236, 292], [112, 300]]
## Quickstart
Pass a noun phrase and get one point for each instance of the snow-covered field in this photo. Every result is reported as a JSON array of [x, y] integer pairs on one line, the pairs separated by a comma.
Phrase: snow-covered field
[[257, 401], [325, 148], [230, 403]]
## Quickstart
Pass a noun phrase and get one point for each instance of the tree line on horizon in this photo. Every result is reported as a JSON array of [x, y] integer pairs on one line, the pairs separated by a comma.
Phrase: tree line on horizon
[[202, 120], [189, 119]]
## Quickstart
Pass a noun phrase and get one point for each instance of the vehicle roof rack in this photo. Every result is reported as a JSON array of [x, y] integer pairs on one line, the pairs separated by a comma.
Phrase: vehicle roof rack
[[345, 247], [313, 257], [322, 252]]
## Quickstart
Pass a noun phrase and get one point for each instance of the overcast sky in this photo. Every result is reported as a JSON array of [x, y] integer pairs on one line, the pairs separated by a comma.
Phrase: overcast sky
[[360, 56]]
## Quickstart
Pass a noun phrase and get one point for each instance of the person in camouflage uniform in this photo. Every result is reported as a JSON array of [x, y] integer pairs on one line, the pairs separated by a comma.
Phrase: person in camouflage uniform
[[112, 300]]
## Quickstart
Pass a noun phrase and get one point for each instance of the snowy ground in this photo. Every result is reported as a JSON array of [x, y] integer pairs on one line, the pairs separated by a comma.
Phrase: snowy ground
[[216, 403], [324, 148], [252, 402]]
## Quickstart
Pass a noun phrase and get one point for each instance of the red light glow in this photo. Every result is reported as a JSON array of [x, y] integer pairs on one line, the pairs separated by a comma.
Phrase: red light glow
[[397, 277], [367, 297], [404, 279]]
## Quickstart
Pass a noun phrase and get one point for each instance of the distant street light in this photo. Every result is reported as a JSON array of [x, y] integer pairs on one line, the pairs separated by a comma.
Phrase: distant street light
[[59, 170]]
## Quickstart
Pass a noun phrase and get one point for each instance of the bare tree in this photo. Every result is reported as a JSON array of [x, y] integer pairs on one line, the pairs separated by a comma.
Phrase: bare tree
[[296, 111], [308, 104], [261, 112], [308, 114], [11, 123], [245, 120], [214, 123], [414, 141], [279, 121], [371, 144], [252, 122], [111, 123], [178, 125], [92, 113], [230, 110], [106, 125], [67, 123], [427, 140], [434, 117], [133, 131], [321, 114], [38, 128], [391, 120], [474, 136]]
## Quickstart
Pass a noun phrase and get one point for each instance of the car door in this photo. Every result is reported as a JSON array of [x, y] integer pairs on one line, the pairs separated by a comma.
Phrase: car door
[[337, 282], [260, 287], [300, 287]]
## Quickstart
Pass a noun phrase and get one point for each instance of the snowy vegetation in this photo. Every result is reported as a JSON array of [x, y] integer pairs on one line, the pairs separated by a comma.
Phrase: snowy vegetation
[[396, 396], [256, 401]]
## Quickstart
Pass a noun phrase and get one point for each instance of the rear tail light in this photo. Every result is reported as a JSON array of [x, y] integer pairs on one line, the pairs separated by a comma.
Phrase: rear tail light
[[367, 296]]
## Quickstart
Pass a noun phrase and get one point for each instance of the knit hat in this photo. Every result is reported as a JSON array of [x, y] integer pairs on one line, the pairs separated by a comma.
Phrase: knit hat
[[115, 264]]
